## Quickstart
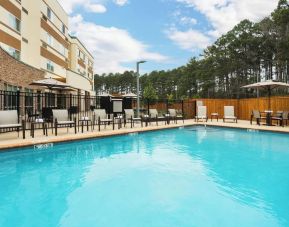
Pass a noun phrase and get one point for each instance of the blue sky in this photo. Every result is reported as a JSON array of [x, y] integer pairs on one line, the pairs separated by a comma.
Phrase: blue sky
[[166, 33]]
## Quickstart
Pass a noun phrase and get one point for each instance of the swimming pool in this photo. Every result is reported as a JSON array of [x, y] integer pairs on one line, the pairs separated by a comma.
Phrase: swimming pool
[[192, 176]]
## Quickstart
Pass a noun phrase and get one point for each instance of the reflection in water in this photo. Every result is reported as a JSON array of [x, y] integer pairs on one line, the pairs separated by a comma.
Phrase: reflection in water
[[167, 178]]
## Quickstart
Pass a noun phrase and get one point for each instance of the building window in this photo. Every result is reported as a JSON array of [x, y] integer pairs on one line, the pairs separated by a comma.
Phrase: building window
[[49, 39], [13, 52], [50, 66], [63, 28], [81, 55], [49, 14], [10, 97], [8, 87], [62, 49], [14, 23]]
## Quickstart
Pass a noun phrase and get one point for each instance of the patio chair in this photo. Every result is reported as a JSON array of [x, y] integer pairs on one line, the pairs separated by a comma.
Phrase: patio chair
[[201, 113], [100, 117], [9, 120], [31, 114], [154, 116], [175, 116], [282, 119], [61, 119], [129, 117], [229, 114], [47, 114], [257, 115]]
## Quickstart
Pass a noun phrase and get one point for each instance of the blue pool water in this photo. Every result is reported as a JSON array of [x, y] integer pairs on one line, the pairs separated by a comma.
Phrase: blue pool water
[[181, 177]]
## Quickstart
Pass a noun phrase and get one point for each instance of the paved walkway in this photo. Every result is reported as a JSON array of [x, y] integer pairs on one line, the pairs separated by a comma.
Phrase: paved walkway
[[10, 140]]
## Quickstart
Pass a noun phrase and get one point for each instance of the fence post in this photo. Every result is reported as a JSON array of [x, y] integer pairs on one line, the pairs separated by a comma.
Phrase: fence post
[[38, 100], [183, 108], [70, 104], [167, 105], [18, 102], [148, 102]]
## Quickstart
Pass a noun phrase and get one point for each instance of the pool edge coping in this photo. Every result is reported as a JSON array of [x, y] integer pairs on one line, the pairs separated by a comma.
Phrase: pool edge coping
[[56, 140]]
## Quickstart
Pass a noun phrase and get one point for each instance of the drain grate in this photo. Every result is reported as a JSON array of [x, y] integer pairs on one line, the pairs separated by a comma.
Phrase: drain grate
[[43, 146], [133, 134], [252, 130]]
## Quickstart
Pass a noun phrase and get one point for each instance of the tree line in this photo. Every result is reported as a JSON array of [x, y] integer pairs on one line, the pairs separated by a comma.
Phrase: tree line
[[248, 53]]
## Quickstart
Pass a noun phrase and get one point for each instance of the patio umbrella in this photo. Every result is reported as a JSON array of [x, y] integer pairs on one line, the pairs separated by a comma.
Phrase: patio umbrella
[[268, 85], [50, 84]]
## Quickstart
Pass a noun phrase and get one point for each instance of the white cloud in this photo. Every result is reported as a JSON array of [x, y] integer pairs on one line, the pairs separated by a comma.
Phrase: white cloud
[[189, 40], [111, 47], [188, 21], [223, 15], [121, 2], [95, 8]]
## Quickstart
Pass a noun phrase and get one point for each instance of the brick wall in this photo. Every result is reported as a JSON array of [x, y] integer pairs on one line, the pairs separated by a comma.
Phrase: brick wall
[[17, 73]]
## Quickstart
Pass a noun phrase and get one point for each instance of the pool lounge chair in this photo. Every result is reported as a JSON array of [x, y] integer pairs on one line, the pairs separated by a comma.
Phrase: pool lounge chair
[[154, 116], [175, 116], [201, 113], [100, 117], [129, 117], [9, 120], [282, 119], [61, 119], [229, 114], [257, 115]]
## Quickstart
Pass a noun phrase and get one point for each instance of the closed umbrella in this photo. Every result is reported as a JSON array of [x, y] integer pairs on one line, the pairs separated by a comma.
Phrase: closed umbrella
[[268, 85]]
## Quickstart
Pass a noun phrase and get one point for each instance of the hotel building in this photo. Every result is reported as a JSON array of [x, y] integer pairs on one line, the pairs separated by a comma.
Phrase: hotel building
[[37, 34]]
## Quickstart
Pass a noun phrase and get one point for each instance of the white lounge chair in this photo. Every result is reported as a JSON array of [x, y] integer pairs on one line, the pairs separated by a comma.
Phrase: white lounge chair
[[283, 118], [257, 115], [61, 119], [154, 116], [175, 116], [100, 117], [9, 120], [201, 113], [129, 117], [229, 114]]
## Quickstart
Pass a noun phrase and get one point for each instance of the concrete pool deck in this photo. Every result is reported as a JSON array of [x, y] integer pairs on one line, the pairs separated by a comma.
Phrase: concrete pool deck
[[10, 140]]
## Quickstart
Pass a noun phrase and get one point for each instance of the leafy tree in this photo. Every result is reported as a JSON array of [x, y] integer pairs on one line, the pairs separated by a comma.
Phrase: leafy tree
[[249, 53], [150, 92]]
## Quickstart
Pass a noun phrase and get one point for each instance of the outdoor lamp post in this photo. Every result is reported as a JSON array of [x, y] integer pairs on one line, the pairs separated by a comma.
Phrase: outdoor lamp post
[[137, 85]]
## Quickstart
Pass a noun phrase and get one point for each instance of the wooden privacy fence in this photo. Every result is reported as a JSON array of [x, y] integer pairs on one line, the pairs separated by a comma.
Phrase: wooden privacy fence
[[244, 107], [187, 106]]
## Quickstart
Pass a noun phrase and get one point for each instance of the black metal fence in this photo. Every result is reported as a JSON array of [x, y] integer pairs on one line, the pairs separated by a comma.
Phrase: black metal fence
[[31, 105]]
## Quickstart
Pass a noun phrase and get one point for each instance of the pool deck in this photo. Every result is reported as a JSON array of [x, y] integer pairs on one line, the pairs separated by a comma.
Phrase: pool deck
[[10, 140]]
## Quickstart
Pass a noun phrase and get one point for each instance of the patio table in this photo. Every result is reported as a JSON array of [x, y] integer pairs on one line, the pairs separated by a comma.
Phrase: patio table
[[85, 121], [168, 118], [268, 117], [40, 122], [119, 120], [215, 115]]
